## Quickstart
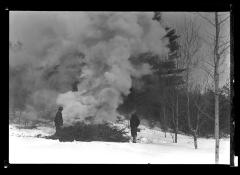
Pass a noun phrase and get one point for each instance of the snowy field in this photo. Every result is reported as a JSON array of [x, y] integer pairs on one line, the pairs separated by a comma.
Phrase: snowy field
[[152, 147]]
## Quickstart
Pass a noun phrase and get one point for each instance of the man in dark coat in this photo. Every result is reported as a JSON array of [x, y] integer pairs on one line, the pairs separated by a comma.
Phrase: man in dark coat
[[58, 121], [134, 123]]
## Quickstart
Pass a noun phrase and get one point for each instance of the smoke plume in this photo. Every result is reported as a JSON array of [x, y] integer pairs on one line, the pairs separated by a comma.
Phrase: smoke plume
[[90, 48]]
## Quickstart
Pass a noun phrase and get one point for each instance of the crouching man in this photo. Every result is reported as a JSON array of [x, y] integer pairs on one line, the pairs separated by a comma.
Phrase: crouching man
[[134, 123], [58, 121]]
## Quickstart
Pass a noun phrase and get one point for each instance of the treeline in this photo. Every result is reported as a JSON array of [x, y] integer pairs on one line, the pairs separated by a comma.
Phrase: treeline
[[169, 97], [152, 106]]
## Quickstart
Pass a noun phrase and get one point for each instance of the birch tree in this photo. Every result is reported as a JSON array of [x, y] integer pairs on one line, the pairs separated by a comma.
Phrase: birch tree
[[219, 45]]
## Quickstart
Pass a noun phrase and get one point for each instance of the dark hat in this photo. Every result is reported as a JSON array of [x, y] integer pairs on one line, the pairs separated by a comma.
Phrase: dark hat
[[60, 108]]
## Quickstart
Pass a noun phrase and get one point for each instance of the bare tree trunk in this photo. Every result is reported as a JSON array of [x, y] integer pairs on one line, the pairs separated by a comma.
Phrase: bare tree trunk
[[176, 123], [195, 139], [164, 118], [188, 113], [220, 47], [216, 83], [188, 101], [232, 143], [173, 118], [196, 131], [190, 46], [175, 135], [191, 129], [19, 117], [216, 122]]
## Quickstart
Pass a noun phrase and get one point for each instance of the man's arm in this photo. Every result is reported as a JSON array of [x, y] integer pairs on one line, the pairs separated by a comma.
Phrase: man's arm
[[56, 118], [61, 119], [138, 121], [131, 122]]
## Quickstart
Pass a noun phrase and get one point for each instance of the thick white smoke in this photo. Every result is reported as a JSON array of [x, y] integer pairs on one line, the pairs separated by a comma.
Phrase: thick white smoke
[[108, 43], [107, 39]]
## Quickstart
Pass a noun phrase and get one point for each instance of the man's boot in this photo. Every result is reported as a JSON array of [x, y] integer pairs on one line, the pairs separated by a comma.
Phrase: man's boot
[[134, 139]]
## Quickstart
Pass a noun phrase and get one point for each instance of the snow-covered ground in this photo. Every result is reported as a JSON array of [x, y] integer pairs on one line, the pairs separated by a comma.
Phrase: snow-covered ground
[[153, 148]]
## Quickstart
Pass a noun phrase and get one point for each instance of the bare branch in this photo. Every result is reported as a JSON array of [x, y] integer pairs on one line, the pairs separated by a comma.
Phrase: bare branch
[[223, 50], [209, 64], [208, 42], [200, 110], [207, 19], [224, 43], [222, 60], [208, 71], [210, 34], [223, 20]]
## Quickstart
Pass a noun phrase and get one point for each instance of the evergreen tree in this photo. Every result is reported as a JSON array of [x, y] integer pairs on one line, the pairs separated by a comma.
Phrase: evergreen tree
[[150, 99], [173, 77]]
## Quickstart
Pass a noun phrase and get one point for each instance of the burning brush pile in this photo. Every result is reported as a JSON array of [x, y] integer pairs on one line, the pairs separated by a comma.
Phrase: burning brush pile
[[93, 132], [91, 50]]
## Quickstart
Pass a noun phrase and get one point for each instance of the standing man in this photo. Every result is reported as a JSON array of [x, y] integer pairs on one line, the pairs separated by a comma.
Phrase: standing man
[[134, 123], [58, 121]]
